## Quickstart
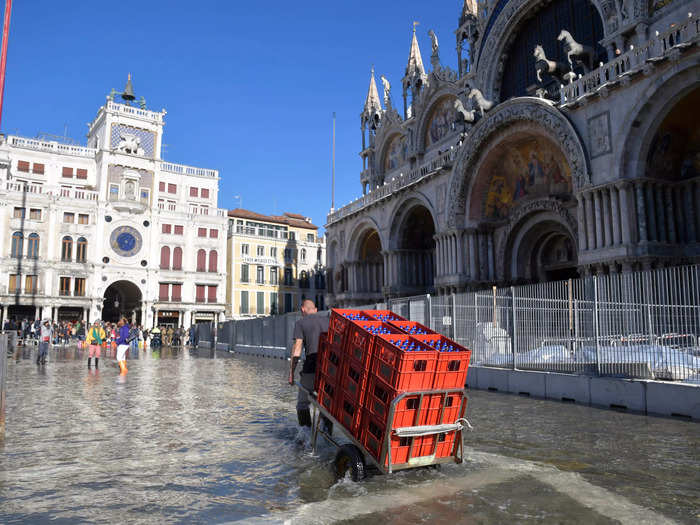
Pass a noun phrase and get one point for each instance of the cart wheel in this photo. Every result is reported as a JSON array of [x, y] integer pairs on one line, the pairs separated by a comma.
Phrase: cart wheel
[[350, 458]]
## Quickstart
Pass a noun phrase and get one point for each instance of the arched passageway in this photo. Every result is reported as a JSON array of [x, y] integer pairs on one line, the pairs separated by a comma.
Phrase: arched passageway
[[369, 268], [416, 250], [122, 299], [541, 249]]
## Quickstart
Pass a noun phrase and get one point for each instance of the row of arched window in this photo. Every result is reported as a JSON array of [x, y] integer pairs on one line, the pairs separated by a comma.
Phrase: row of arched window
[[17, 250], [202, 258]]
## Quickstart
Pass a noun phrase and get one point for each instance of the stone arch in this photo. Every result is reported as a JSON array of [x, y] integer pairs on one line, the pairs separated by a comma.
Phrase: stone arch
[[655, 103], [534, 111], [529, 246], [366, 261], [123, 298], [352, 247], [412, 243], [401, 210], [432, 103], [502, 31]]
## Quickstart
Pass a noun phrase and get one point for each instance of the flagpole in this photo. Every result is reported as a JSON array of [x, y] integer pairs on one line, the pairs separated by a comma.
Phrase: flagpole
[[333, 176], [3, 53]]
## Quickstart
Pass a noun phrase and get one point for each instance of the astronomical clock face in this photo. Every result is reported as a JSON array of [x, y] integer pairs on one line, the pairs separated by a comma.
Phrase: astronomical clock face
[[126, 241]]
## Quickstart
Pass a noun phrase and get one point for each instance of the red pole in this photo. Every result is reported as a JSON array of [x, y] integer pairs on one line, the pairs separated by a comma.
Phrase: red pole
[[3, 53]]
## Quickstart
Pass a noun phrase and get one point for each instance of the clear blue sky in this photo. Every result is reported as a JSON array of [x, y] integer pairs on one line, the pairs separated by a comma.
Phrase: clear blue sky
[[250, 87]]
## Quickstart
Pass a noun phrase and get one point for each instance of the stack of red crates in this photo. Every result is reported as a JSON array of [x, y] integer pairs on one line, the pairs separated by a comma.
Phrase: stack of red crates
[[370, 357]]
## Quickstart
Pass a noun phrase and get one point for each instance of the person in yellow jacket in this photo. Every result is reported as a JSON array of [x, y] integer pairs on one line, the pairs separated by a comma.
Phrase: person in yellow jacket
[[94, 338]]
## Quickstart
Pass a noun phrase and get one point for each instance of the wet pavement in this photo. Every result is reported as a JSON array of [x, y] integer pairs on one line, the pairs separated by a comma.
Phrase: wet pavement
[[209, 437]]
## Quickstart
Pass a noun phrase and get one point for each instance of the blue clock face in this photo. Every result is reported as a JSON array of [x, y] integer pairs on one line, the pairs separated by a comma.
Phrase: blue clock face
[[126, 241]]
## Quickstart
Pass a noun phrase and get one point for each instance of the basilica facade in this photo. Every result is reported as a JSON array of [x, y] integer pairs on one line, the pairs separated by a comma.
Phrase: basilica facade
[[109, 229], [564, 143]]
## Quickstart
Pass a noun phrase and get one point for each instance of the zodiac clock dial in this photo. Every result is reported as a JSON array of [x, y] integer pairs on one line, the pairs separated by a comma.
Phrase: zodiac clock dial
[[126, 241]]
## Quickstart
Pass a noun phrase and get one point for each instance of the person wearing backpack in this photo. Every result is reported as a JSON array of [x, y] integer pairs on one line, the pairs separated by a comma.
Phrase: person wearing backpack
[[94, 338]]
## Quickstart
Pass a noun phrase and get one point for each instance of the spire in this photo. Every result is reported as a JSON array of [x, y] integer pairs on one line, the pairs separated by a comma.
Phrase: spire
[[372, 104], [128, 94], [415, 61]]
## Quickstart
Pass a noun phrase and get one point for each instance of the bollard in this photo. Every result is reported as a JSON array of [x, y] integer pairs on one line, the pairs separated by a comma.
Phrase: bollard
[[3, 375]]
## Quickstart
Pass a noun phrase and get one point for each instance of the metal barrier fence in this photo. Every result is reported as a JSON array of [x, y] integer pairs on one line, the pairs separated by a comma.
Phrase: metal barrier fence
[[634, 325], [263, 336]]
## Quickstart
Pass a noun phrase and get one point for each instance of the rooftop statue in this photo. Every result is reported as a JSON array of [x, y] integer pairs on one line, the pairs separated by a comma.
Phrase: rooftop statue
[[480, 103], [462, 113], [433, 41], [543, 65], [387, 91], [574, 49]]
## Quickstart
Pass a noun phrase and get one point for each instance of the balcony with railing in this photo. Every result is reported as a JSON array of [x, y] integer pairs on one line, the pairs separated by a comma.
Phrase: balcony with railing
[[181, 169], [621, 69], [135, 112], [50, 146], [397, 180]]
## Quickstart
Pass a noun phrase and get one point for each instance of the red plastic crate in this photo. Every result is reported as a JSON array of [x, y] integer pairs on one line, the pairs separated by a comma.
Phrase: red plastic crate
[[451, 369], [360, 341], [353, 381], [379, 396], [331, 363], [384, 315], [328, 393], [322, 342], [401, 369], [410, 327], [338, 324], [349, 414], [373, 434], [426, 445]]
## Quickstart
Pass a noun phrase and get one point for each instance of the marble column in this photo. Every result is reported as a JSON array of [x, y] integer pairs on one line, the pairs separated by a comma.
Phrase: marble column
[[581, 217], [623, 190], [660, 213], [671, 223], [590, 220], [607, 217], [483, 257], [472, 256], [599, 237], [460, 252], [680, 216], [641, 213], [615, 203], [652, 234]]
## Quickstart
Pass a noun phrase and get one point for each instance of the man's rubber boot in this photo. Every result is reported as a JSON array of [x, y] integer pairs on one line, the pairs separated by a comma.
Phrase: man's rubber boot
[[38, 359], [89, 358], [304, 417], [96, 360]]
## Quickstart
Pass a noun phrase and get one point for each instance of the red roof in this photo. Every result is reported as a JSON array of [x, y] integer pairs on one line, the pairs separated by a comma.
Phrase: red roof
[[290, 219]]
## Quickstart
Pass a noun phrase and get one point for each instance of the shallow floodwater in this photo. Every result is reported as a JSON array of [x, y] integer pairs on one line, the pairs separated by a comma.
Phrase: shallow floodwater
[[207, 437]]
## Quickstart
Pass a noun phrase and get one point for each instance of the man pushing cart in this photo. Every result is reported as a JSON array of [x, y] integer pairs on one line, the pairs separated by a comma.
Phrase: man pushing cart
[[392, 387]]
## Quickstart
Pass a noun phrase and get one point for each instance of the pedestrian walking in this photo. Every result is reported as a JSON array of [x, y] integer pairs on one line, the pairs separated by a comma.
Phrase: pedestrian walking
[[94, 338], [122, 344], [45, 337]]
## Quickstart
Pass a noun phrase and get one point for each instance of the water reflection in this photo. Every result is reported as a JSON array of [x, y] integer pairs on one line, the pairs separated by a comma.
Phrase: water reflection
[[202, 436]]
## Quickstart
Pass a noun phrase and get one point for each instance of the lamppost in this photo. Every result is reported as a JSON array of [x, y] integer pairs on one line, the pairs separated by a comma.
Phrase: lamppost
[[153, 313], [240, 200]]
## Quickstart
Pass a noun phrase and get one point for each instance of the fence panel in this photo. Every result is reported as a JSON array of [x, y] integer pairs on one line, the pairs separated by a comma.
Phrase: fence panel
[[641, 325]]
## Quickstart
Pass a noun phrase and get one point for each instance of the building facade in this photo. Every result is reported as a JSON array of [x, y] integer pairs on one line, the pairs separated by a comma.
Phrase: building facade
[[273, 263], [565, 143], [109, 229]]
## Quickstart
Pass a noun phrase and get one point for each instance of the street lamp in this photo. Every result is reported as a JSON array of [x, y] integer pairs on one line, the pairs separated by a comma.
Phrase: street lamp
[[240, 200]]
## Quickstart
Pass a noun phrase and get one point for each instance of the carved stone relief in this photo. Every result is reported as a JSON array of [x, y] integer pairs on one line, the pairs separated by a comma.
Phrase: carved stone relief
[[599, 139]]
